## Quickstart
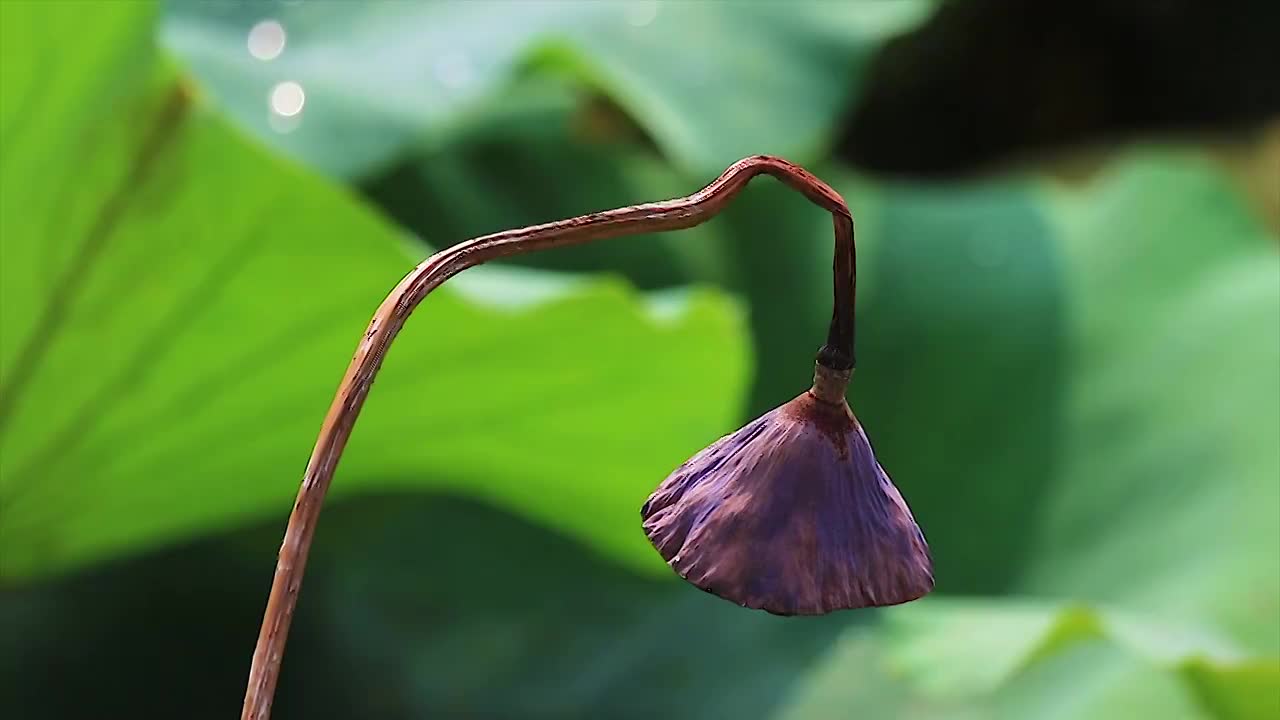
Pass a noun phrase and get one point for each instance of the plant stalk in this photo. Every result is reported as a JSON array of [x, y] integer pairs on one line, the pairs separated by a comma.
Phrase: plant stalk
[[676, 214]]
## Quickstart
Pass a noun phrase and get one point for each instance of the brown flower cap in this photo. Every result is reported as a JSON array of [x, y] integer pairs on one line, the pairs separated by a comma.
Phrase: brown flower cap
[[792, 514]]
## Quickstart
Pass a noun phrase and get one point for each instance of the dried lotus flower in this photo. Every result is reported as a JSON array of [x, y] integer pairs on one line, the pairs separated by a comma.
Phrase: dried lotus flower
[[792, 514]]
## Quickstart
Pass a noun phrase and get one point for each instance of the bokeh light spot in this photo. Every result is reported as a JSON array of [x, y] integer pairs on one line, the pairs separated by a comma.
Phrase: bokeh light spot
[[287, 99], [266, 40]]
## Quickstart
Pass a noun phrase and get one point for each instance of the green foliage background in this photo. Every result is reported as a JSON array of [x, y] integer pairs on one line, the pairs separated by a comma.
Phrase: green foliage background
[[1076, 386]]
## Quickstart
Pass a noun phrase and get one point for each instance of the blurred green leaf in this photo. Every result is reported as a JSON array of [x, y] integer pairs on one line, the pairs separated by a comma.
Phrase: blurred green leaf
[[166, 359], [855, 679], [1240, 691], [1095, 679], [971, 647], [383, 77], [935, 643], [1167, 490], [998, 658]]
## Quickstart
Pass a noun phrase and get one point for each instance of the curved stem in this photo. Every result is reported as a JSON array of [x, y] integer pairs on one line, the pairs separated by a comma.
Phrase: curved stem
[[391, 315]]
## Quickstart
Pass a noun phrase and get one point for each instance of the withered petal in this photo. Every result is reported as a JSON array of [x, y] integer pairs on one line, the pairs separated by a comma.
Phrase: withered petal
[[793, 515]]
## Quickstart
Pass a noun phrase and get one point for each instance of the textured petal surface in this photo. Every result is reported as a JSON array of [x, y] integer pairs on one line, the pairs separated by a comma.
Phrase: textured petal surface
[[791, 514]]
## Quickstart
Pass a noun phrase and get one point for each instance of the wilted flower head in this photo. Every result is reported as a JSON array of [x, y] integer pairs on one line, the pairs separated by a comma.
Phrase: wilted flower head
[[792, 514]]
